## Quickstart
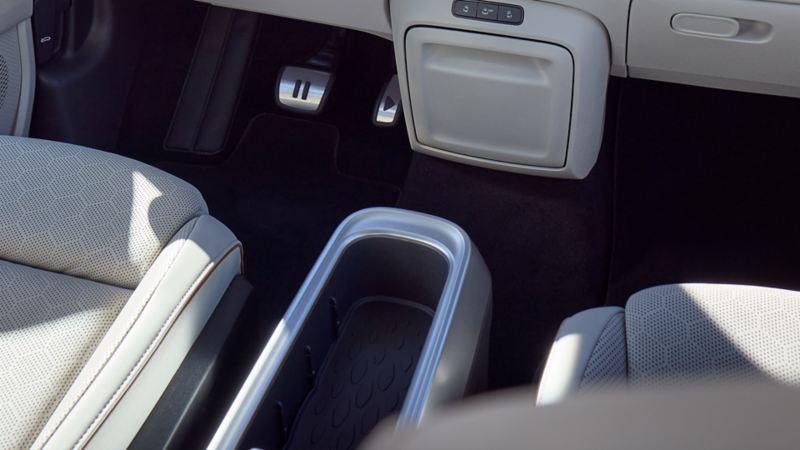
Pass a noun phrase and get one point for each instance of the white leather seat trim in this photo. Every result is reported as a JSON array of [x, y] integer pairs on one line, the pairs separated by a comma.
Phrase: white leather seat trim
[[570, 353], [125, 420], [172, 281]]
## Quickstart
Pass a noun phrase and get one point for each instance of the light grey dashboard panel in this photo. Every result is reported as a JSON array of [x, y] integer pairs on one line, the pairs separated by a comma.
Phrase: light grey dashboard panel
[[653, 39], [614, 16], [370, 16], [732, 44], [526, 98]]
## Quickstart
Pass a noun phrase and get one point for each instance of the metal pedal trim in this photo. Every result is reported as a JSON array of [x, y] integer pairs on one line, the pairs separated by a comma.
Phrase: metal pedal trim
[[388, 107], [303, 90]]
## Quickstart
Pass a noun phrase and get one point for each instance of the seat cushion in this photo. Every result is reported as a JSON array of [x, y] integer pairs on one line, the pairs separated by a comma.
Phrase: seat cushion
[[86, 213], [109, 270], [678, 334], [588, 353], [145, 345], [50, 325], [713, 333]]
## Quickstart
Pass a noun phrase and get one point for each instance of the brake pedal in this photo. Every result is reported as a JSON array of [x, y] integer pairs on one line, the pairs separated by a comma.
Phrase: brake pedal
[[388, 107], [303, 90]]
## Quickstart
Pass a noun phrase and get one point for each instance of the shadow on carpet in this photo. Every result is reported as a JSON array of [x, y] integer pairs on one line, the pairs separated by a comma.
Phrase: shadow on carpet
[[282, 195]]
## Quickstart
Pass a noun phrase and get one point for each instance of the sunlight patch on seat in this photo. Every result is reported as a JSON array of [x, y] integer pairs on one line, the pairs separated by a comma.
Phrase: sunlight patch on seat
[[140, 231]]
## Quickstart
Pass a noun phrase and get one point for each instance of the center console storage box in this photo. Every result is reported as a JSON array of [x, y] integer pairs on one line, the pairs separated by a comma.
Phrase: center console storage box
[[526, 97], [496, 98], [392, 320]]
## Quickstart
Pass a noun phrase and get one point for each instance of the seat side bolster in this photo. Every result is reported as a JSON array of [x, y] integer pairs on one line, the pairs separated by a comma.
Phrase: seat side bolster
[[126, 418], [572, 348], [181, 271]]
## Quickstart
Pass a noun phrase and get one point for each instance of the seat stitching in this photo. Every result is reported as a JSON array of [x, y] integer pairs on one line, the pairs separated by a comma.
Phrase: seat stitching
[[210, 268], [94, 376]]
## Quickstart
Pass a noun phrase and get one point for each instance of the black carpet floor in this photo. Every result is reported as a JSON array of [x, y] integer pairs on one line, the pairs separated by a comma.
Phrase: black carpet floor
[[366, 63], [281, 193], [707, 188]]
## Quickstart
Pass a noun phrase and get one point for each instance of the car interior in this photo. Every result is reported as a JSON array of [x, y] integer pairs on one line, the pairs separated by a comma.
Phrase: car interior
[[399, 224]]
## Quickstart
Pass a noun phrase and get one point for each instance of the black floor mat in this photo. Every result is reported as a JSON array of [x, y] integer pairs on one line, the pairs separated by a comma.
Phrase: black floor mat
[[367, 63], [281, 194], [365, 377], [707, 189]]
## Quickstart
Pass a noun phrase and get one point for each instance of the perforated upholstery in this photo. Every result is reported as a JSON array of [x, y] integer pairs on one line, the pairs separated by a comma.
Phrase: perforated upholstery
[[86, 213], [678, 335], [689, 333], [49, 326], [608, 364]]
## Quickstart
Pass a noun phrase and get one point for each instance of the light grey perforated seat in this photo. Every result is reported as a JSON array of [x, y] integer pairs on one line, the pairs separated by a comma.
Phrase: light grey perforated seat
[[109, 269], [678, 334]]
